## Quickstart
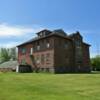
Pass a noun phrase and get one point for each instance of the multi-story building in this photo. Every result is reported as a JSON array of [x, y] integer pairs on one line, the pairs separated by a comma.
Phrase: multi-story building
[[55, 51]]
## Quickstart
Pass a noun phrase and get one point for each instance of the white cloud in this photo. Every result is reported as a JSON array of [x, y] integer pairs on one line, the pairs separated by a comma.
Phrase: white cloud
[[7, 32], [9, 44], [10, 30]]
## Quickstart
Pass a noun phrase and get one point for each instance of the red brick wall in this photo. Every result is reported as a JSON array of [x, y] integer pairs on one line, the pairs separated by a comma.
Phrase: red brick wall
[[49, 62], [26, 55]]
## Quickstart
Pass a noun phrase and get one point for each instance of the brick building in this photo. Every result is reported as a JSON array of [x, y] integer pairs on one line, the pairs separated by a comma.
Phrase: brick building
[[55, 51]]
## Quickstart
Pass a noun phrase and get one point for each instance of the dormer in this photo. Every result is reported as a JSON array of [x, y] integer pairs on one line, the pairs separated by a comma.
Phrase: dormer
[[76, 36], [43, 33], [77, 39]]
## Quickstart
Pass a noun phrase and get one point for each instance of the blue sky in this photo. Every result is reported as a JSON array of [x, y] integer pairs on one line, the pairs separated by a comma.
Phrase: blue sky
[[20, 19]]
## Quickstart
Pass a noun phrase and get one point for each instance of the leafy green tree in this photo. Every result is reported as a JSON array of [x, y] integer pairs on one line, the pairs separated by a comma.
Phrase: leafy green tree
[[4, 55], [7, 54], [95, 62]]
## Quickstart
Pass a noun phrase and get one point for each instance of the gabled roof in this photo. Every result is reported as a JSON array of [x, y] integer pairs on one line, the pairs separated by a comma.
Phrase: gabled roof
[[74, 34]]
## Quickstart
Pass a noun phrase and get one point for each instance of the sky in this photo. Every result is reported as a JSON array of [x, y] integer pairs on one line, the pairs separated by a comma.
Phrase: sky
[[21, 19]]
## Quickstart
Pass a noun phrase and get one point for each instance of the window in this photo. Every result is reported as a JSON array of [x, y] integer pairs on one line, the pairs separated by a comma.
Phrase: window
[[41, 34], [78, 43], [44, 33], [23, 50], [66, 45], [31, 51], [37, 59], [48, 44], [38, 46], [42, 58], [42, 44], [79, 54], [78, 51], [47, 56], [23, 62]]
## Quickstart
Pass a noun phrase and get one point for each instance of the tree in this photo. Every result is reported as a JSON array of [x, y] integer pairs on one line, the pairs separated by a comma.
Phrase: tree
[[13, 53], [95, 62], [4, 55], [7, 54]]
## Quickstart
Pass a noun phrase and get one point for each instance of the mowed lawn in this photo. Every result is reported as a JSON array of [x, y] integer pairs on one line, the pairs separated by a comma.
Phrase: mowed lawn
[[32, 86]]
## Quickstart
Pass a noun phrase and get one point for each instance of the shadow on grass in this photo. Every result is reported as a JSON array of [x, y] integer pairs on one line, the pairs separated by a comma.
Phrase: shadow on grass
[[92, 72]]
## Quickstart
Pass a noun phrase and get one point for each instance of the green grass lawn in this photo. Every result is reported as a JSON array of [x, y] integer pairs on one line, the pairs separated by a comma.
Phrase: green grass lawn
[[15, 86]]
